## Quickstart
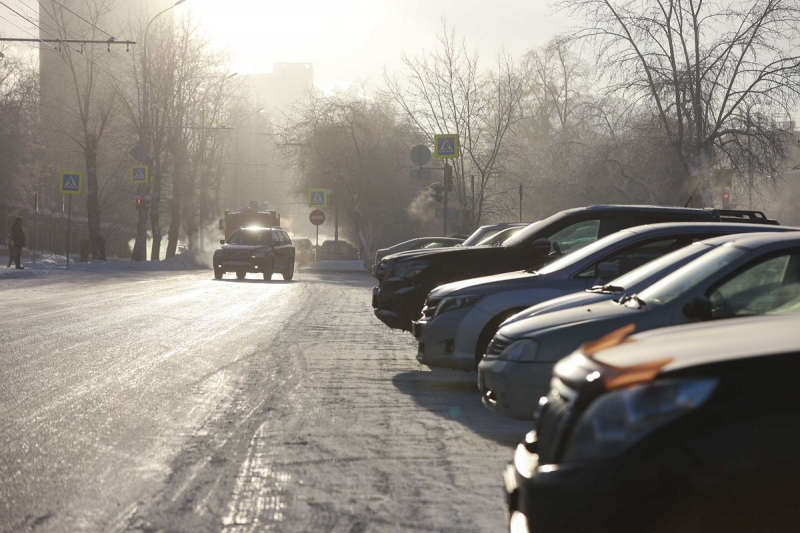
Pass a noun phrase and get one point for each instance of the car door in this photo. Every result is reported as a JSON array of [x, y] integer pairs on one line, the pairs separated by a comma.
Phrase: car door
[[278, 251], [289, 247]]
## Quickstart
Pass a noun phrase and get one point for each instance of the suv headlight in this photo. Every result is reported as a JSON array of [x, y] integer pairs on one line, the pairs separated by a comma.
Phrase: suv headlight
[[524, 350], [408, 270], [617, 420], [451, 303]]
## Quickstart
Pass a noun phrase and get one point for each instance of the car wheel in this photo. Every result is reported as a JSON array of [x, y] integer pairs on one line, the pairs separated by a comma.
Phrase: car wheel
[[269, 270], [289, 272], [488, 333], [241, 274], [217, 273]]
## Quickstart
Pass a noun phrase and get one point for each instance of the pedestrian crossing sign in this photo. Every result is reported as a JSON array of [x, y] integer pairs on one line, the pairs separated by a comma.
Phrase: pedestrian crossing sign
[[446, 146], [140, 174], [71, 183], [317, 197]]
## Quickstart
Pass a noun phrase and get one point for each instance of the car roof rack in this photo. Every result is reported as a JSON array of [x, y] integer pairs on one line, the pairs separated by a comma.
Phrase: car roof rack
[[743, 215]]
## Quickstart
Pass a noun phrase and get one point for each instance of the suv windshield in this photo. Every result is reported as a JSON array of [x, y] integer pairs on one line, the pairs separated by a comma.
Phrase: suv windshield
[[250, 237], [529, 230], [689, 276], [583, 253]]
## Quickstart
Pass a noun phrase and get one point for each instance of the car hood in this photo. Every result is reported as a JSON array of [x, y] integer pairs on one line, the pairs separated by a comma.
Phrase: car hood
[[568, 301], [454, 254], [706, 342], [242, 248], [520, 279], [596, 312]]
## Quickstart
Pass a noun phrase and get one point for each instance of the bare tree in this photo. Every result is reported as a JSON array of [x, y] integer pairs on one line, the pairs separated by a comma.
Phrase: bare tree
[[446, 92], [359, 149], [717, 75]]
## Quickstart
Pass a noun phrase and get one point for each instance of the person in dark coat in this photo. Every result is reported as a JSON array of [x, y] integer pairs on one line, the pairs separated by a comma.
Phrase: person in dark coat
[[17, 241]]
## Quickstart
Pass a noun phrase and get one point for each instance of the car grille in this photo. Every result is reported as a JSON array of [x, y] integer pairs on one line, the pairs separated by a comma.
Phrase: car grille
[[430, 308], [553, 421], [235, 254], [497, 346]]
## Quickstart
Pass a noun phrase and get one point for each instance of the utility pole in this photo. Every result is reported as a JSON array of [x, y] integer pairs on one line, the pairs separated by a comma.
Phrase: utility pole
[[448, 180]]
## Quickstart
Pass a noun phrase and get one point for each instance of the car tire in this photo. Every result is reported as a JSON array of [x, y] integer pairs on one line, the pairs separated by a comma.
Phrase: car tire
[[288, 274], [217, 273], [269, 270], [488, 333], [240, 274]]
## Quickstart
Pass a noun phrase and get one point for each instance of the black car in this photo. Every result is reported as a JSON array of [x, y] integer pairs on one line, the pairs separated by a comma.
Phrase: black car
[[689, 428], [258, 250], [405, 281]]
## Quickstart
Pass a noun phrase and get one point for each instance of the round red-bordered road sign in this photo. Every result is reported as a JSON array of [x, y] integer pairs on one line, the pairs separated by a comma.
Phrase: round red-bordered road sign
[[316, 217]]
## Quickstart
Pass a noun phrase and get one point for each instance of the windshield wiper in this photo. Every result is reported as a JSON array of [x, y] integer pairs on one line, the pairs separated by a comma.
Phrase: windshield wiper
[[607, 289]]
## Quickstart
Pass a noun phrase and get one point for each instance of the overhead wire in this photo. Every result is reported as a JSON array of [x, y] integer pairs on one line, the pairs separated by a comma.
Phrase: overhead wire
[[33, 13]]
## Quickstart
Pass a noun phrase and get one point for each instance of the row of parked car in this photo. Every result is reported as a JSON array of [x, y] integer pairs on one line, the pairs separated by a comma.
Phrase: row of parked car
[[603, 325]]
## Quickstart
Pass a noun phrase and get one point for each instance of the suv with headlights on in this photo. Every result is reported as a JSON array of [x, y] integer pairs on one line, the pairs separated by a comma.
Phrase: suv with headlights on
[[405, 280], [689, 428], [258, 250]]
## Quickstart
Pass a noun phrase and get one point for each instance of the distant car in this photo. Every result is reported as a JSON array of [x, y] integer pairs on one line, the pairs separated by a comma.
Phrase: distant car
[[490, 230], [459, 319], [420, 243], [687, 428], [304, 251], [753, 274], [258, 250], [500, 237]]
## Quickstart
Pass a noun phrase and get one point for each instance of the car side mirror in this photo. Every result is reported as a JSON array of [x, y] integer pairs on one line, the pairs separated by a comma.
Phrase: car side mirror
[[607, 271], [699, 307], [540, 247], [222, 241]]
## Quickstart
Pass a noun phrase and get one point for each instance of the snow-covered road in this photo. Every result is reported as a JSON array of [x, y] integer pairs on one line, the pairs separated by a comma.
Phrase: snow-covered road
[[167, 401]]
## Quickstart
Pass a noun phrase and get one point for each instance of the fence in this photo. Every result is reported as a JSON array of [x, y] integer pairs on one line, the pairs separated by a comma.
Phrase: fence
[[46, 231]]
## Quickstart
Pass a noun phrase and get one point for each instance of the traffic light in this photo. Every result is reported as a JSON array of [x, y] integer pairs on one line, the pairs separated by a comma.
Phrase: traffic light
[[448, 178], [438, 191], [138, 203], [726, 198]]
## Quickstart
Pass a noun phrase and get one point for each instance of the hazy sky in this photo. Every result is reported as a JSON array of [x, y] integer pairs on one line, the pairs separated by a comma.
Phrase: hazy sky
[[352, 40]]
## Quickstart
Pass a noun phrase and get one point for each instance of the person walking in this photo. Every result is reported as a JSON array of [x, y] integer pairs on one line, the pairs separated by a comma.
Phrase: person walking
[[17, 241], [10, 243]]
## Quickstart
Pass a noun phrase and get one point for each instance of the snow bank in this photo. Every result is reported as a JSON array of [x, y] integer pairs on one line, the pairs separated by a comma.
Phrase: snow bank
[[49, 263]]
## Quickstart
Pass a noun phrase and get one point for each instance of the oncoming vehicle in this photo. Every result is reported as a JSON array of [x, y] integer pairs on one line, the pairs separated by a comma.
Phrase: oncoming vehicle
[[687, 428], [257, 250]]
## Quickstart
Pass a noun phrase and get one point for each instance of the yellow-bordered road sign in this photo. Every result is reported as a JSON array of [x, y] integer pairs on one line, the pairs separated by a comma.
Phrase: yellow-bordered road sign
[[446, 146], [140, 174], [317, 197], [70, 183]]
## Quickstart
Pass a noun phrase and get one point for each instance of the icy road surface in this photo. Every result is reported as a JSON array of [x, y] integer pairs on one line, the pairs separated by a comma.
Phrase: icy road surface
[[163, 401]]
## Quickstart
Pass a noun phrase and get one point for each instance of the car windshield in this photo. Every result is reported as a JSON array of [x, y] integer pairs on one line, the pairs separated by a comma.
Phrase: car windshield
[[531, 229], [637, 276], [479, 235], [689, 276], [586, 251], [249, 237]]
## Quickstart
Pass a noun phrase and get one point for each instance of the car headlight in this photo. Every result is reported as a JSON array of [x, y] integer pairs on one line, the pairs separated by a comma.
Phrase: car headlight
[[617, 420], [524, 350], [259, 255], [409, 270], [450, 303]]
